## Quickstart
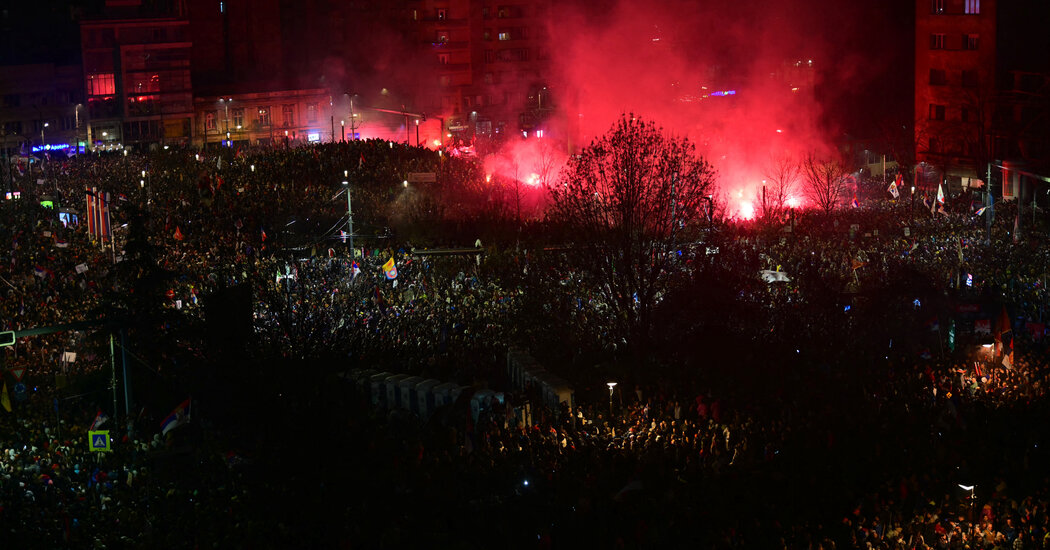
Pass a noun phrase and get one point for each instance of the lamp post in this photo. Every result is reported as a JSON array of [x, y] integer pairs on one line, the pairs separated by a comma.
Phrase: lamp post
[[611, 386], [972, 497], [349, 218], [342, 126]]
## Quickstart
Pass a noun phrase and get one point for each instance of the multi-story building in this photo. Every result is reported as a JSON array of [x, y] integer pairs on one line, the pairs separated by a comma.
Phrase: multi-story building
[[492, 64], [41, 107], [137, 80], [281, 117], [955, 72]]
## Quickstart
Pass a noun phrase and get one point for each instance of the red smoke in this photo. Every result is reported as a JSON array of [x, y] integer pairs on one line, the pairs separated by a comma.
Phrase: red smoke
[[738, 80]]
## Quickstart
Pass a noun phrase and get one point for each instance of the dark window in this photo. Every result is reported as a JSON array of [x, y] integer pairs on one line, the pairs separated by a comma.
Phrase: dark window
[[969, 78], [938, 77], [971, 41], [936, 112], [936, 41], [936, 7]]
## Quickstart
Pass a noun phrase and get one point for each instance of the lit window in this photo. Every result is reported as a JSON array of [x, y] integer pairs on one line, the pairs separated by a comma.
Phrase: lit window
[[209, 121], [238, 117], [443, 58], [101, 84], [504, 35], [973, 7], [264, 116], [442, 14], [311, 112]]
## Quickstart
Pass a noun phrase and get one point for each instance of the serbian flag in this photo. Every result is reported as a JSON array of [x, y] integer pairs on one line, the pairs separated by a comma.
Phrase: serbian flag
[[354, 270], [89, 199], [361, 161], [980, 211], [940, 194], [100, 419], [854, 202], [104, 227], [178, 234], [178, 417], [389, 269]]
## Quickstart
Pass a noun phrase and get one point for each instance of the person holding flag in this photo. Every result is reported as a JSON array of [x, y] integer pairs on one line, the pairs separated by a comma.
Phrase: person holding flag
[[894, 188], [178, 417], [100, 419], [390, 269]]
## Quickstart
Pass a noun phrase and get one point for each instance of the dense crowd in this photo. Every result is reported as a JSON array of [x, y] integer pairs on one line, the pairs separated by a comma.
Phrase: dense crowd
[[643, 469]]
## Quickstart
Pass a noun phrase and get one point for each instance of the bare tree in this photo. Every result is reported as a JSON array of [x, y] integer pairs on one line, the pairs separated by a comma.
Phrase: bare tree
[[825, 181], [624, 202], [782, 175]]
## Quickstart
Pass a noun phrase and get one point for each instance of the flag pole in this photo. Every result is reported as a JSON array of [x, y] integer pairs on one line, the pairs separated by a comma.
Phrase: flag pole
[[113, 373]]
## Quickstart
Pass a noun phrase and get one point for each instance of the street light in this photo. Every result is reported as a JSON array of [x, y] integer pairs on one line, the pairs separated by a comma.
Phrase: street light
[[42, 142], [611, 386], [349, 219], [972, 498]]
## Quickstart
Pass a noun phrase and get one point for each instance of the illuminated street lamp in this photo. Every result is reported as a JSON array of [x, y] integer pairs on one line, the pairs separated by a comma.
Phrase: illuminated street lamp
[[611, 386]]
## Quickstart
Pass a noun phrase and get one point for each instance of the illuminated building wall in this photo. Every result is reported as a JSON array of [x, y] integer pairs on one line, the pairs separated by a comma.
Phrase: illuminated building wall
[[137, 80], [492, 63], [280, 117], [955, 72]]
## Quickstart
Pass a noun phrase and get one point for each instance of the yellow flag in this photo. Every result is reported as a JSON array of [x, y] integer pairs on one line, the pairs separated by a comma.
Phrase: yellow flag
[[5, 399], [388, 265]]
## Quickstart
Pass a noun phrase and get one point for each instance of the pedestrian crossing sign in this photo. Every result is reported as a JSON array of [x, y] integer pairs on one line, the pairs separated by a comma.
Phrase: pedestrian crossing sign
[[99, 441]]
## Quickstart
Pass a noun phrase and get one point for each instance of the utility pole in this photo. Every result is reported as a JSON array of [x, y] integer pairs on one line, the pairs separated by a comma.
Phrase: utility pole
[[350, 220]]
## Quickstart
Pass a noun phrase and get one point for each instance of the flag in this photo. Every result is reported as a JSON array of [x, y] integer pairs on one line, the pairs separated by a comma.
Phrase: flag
[[263, 231], [361, 161], [104, 228], [1008, 360], [5, 399], [893, 190], [89, 209], [40, 272], [354, 270], [940, 194], [980, 211], [178, 234], [857, 264], [390, 269], [178, 417], [854, 202], [926, 202], [100, 419], [60, 242]]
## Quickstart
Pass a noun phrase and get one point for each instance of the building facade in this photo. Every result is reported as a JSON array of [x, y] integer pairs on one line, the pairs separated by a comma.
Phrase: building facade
[[137, 80], [41, 107], [280, 118], [491, 63], [955, 83]]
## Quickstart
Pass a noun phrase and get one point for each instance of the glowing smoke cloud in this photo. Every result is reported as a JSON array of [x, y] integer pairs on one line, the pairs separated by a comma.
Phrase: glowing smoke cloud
[[737, 80]]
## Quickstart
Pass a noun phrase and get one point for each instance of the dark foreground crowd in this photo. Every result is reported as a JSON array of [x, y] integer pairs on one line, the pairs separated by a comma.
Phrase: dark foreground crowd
[[834, 450]]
